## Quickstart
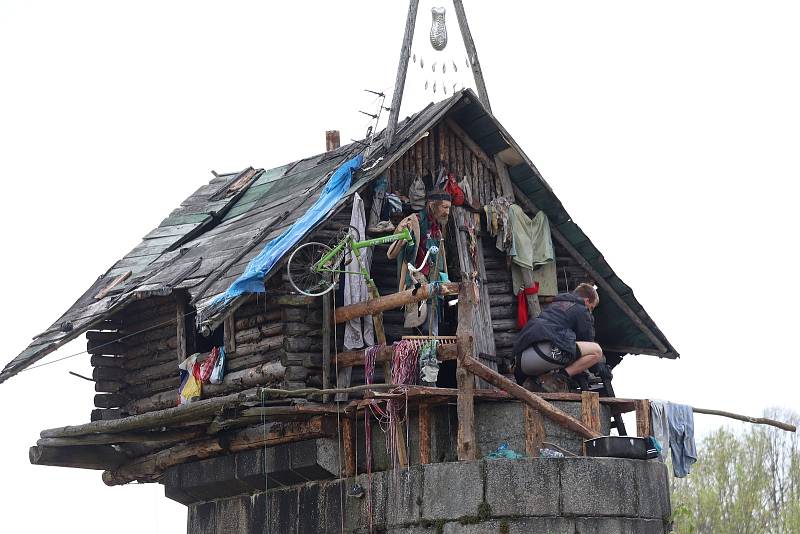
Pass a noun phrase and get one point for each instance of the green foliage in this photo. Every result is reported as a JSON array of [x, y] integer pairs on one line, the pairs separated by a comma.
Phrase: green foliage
[[742, 483]]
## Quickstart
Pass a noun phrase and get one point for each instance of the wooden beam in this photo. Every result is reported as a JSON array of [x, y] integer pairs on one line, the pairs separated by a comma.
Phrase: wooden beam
[[531, 207], [402, 69], [534, 430], [114, 283], [431, 394], [197, 411], [79, 456], [445, 352], [545, 408], [424, 434], [469, 44], [150, 438], [643, 418], [152, 466], [348, 439], [389, 302], [466, 383]]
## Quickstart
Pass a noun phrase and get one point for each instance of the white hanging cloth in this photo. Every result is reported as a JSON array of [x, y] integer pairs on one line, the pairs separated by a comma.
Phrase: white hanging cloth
[[358, 332]]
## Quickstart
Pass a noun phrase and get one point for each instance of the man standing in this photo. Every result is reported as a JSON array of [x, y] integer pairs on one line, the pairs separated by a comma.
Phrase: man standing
[[562, 338], [428, 228]]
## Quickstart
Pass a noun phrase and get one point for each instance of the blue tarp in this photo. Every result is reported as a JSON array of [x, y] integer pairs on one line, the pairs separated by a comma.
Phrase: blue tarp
[[252, 279]]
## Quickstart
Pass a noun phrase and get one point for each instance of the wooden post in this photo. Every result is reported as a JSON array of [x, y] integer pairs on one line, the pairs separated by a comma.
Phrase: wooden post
[[643, 418], [534, 430], [180, 321], [327, 312], [590, 410], [424, 433], [469, 44], [481, 326], [229, 329], [402, 68], [349, 448], [466, 382]]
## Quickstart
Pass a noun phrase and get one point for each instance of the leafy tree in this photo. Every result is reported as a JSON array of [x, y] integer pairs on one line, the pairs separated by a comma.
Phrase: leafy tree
[[742, 483]]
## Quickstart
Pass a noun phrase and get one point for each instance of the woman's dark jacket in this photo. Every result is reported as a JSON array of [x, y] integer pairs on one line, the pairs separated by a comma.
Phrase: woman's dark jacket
[[563, 322]]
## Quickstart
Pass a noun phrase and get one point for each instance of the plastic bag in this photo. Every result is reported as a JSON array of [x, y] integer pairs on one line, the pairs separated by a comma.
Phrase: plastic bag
[[504, 452], [218, 373], [208, 365], [191, 388]]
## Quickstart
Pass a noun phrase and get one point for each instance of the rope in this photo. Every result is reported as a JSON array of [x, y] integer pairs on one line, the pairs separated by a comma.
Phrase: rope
[[404, 371], [338, 411]]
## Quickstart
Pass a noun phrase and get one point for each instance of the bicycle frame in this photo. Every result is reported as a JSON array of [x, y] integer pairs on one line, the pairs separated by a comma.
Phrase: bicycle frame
[[356, 247]]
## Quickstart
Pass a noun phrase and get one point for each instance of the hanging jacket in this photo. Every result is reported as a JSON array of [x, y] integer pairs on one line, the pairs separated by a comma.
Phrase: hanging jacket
[[565, 321]]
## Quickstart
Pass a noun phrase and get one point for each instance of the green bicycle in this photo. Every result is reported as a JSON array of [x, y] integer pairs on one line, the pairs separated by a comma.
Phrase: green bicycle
[[314, 267]]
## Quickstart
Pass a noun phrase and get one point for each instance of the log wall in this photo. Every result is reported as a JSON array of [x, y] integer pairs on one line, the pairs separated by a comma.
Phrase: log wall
[[136, 360]]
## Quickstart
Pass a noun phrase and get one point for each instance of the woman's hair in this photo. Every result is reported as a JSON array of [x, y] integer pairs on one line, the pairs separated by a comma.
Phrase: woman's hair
[[587, 291]]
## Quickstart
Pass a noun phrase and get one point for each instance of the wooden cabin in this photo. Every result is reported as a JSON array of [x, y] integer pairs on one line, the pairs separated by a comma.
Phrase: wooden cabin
[[160, 303]]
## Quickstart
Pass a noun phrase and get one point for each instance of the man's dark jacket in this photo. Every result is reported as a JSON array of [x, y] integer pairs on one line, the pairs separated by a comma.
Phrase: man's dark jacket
[[563, 322]]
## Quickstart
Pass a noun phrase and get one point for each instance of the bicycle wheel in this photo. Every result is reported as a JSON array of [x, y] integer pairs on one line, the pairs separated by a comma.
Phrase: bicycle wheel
[[302, 275]]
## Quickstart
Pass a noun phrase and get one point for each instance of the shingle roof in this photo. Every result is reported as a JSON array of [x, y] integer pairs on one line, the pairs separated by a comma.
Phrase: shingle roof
[[205, 244]]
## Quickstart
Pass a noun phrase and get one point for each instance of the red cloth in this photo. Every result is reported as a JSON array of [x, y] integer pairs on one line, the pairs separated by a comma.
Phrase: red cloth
[[204, 370], [522, 304]]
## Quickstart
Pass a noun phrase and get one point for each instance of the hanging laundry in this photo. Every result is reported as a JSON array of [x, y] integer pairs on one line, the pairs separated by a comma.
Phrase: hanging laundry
[[681, 438], [218, 372], [673, 427], [532, 251], [428, 363], [456, 193], [659, 425], [522, 304], [497, 223], [358, 332], [190, 388]]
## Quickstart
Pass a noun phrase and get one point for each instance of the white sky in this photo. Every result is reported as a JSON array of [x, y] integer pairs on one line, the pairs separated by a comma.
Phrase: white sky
[[668, 131]]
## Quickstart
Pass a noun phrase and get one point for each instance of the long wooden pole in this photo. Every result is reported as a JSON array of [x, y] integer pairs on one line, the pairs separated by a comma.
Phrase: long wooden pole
[[389, 302], [747, 418], [545, 408], [469, 44], [402, 69]]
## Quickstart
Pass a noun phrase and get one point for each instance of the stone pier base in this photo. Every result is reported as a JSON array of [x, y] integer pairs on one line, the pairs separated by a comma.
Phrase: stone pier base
[[552, 496]]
